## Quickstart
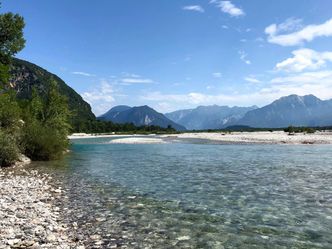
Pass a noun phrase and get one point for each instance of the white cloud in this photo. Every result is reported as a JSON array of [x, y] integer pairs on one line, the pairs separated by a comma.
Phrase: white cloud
[[315, 78], [225, 27], [101, 98], [252, 79], [301, 35], [305, 59], [84, 74], [228, 7], [243, 57], [196, 8], [318, 83], [217, 75], [289, 25], [131, 75], [136, 80]]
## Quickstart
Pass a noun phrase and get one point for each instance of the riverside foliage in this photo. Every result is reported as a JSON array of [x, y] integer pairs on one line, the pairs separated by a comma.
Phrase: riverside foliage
[[37, 127]]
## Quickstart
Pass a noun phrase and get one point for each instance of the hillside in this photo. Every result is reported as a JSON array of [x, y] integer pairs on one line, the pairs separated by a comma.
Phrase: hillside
[[25, 76], [291, 110], [139, 116]]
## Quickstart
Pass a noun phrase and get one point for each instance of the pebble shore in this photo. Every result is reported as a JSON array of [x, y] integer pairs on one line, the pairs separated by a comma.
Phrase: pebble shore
[[29, 216]]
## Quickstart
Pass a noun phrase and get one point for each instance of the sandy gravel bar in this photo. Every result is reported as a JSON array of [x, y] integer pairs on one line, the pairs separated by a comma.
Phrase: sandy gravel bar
[[276, 137], [137, 140]]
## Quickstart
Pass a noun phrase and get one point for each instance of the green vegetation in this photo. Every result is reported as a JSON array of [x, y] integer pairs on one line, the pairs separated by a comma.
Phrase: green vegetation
[[11, 42], [291, 129], [46, 125], [26, 76], [99, 126], [37, 127]]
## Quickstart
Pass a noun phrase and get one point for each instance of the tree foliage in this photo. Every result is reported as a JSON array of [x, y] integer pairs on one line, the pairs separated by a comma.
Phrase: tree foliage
[[46, 125], [11, 42]]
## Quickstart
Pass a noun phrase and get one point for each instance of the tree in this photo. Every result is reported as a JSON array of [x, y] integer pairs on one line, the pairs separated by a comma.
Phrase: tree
[[11, 42], [46, 125], [56, 111]]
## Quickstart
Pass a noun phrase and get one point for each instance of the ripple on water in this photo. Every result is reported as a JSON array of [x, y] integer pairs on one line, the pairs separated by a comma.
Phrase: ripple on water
[[199, 196]]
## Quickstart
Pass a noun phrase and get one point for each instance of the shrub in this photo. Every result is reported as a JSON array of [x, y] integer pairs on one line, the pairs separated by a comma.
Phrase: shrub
[[9, 152], [43, 143], [309, 130]]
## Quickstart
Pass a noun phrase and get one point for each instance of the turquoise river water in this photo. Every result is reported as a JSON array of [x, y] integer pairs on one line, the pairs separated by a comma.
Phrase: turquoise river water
[[195, 194]]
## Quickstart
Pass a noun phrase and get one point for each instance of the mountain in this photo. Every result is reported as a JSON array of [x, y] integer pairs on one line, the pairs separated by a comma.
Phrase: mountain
[[139, 116], [25, 76], [291, 110], [209, 117], [114, 112]]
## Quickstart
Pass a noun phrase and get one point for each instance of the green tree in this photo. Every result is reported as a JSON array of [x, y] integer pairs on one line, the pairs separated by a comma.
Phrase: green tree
[[46, 125], [11, 42], [57, 112]]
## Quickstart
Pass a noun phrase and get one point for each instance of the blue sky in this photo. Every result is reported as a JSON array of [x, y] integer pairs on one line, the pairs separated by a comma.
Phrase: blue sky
[[179, 54]]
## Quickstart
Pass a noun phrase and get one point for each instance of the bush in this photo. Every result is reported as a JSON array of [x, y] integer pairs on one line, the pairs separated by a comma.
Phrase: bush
[[292, 130], [43, 143], [9, 152]]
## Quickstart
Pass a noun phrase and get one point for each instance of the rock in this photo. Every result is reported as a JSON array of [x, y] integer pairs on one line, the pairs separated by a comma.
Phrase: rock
[[51, 237], [183, 238], [11, 242], [95, 237], [101, 219]]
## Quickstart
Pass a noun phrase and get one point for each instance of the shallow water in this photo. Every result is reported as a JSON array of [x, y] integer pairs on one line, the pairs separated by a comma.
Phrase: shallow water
[[192, 195]]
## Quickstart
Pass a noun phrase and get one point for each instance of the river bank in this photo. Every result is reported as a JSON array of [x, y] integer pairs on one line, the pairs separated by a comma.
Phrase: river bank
[[260, 137], [29, 216]]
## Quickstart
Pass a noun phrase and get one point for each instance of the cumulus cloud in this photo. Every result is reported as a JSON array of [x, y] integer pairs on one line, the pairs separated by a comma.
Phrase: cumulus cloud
[[228, 7], [100, 98], [305, 59], [276, 32], [318, 83], [196, 8], [84, 74]]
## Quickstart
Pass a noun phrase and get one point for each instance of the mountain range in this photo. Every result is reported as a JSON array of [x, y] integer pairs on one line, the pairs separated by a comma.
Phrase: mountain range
[[139, 116], [209, 117], [290, 110]]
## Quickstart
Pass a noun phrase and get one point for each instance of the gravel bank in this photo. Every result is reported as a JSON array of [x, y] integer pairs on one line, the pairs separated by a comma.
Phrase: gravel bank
[[29, 217], [276, 137]]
